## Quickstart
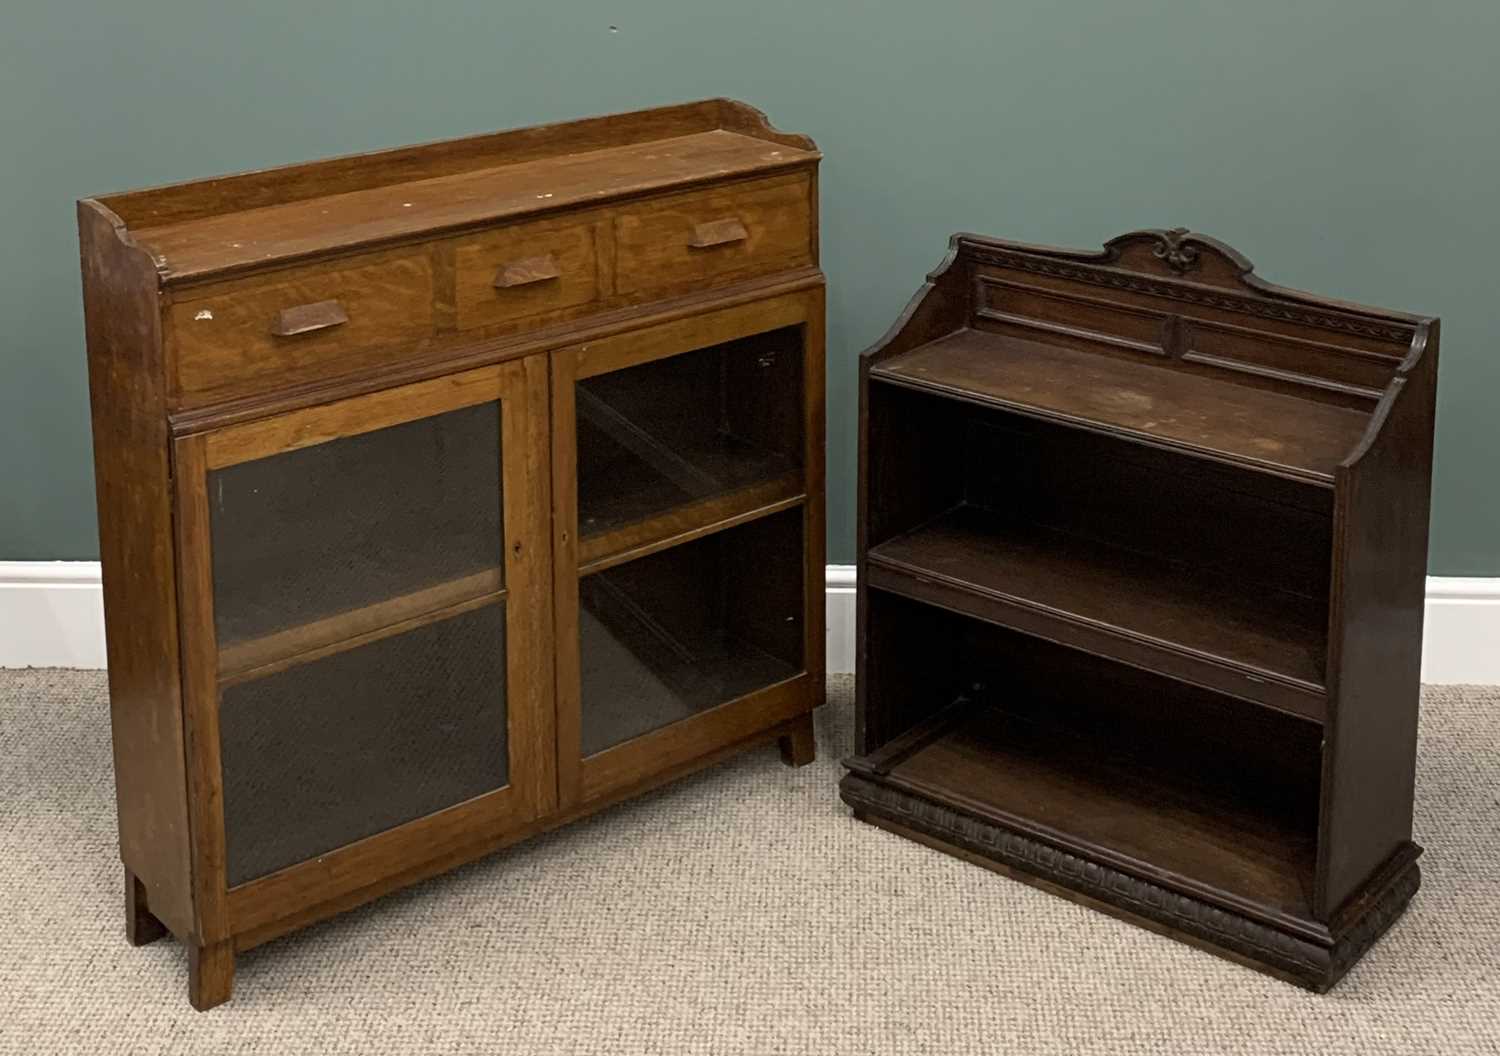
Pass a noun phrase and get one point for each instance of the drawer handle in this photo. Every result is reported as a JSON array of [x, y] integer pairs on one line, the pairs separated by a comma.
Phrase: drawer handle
[[718, 233], [525, 272], [305, 318]]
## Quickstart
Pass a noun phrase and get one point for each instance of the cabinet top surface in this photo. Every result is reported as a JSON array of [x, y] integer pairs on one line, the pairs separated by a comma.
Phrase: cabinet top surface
[[222, 226], [1293, 437]]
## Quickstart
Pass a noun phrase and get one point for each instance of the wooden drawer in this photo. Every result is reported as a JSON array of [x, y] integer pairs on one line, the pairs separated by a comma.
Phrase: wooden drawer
[[302, 322], [715, 235], [525, 270]]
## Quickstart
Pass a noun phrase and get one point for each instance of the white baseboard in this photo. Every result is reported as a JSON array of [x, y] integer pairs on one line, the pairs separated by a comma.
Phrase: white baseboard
[[1461, 639], [841, 619], [52, 615]]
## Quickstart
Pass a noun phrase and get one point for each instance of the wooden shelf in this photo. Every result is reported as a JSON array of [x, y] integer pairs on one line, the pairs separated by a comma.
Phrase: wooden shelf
[[1271, 432], [1184, 829], [1265, 646], [686, 630], [638, 679], [1158, 526], [653, 473], [683, 524], [657, 475], [256, 657]]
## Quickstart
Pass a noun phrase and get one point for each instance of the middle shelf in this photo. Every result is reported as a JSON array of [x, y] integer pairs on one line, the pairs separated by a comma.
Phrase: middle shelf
[[1211, 574], [675, 447], [1261, 645]]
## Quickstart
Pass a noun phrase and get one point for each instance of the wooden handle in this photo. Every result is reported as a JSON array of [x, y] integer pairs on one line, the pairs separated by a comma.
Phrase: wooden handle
[[305, 318], [524, 272], [718, 233]]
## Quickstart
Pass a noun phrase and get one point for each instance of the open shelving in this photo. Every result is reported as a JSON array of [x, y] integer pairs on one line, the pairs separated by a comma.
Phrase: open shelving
[[1142, 541]]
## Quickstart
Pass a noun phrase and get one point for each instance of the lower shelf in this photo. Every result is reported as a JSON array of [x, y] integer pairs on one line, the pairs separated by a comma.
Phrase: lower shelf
[[635, 682], [1316, 962], [1182, 825], [683, 630]]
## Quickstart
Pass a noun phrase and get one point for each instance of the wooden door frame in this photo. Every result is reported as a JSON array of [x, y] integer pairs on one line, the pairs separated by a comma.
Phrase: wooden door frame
[[520, 386], [582, 780]]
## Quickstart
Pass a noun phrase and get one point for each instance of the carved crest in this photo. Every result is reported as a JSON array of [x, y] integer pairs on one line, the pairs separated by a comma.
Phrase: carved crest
[[1179, 255]]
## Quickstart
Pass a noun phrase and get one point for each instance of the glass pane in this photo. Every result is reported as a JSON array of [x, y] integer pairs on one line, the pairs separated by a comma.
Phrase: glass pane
[[330, 751], [687, 428], [363, 519], [665, 637]]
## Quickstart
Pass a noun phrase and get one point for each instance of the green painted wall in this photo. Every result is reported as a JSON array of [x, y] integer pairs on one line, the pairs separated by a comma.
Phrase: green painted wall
[[1351, 146]]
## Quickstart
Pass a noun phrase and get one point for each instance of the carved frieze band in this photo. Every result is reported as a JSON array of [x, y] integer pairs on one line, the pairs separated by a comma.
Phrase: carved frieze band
[[1192, 295], [1316, 964], [1375, 922]]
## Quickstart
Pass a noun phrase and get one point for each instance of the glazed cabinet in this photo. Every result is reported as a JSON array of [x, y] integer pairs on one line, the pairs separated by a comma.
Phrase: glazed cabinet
[[448, 494], [687, 545]]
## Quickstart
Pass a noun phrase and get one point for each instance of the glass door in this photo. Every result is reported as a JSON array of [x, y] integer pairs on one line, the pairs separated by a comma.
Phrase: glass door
[[364, 625], [682, 466]]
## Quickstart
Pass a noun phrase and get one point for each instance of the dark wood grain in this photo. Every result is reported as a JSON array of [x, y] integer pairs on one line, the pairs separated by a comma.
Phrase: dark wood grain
[[1316, 961], [1188, 411], [1142, 540], [1109, 600], [1082, 792], [1380, 564]]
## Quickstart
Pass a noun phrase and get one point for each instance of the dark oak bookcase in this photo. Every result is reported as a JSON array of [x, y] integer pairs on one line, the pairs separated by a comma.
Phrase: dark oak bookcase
[[1142, 545]]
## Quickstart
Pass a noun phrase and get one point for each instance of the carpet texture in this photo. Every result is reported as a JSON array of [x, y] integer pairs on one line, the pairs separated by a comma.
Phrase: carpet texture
[[740, 910]]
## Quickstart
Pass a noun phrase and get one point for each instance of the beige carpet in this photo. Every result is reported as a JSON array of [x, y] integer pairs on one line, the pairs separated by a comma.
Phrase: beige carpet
[[737, 911]]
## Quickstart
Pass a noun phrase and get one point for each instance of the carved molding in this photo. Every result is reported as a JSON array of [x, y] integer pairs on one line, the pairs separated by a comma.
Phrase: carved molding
[[1180, 256], [1392, 902], [1313, 965], [1198, 295]]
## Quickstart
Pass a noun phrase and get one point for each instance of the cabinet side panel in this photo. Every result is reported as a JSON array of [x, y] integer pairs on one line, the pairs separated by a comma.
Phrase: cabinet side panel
[[1380, 566], [133, 487], [815, 478], [938, 307]]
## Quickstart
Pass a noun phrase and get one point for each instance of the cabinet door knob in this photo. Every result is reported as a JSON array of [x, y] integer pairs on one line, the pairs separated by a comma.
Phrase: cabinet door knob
[[305, 318], [526, 271], [718, 233]]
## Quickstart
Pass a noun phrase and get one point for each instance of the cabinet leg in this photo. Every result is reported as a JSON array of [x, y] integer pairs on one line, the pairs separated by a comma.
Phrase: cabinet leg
[[210, 974], [141, 926], [797, 745]]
